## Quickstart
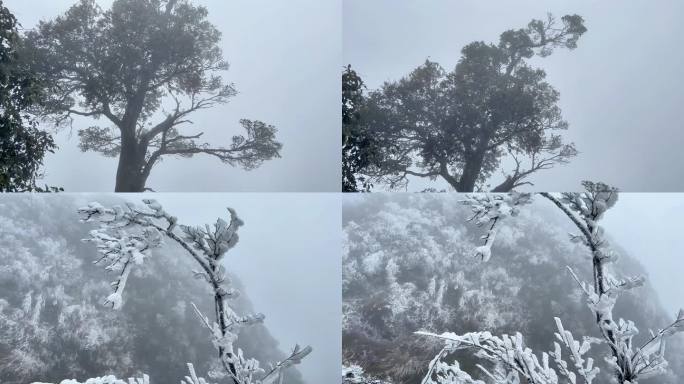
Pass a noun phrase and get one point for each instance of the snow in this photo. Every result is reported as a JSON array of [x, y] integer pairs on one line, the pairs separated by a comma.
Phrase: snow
[[106, 380]]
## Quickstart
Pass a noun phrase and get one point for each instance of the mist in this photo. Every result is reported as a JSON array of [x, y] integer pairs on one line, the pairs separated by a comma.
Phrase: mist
[[648, 225]]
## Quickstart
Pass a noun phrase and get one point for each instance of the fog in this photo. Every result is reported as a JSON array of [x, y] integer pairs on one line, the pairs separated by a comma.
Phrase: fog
[[649, 227], [284, 60], [620, 89]]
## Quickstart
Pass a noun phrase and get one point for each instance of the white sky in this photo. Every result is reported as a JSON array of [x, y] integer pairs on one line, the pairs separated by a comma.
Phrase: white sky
[[620, 90], [288, 259], [649, 227], [285, 62]]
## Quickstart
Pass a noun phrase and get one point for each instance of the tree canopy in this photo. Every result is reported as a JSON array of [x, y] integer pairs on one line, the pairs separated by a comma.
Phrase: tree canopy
[[22, 144], [459, 125], [131, 62], [357, 144]]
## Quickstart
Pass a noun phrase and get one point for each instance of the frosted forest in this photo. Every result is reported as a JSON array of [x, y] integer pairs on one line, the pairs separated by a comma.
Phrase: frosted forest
[[111, 291], [492, 288]]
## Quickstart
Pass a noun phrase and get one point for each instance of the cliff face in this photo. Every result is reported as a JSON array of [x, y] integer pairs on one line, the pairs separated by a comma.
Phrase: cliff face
[[408, 265], [53, 324]]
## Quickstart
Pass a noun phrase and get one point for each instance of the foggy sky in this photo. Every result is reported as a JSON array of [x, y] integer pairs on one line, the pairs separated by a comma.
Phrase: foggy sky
[[620, 89], [284, 60], [648, 226], [288, 259]]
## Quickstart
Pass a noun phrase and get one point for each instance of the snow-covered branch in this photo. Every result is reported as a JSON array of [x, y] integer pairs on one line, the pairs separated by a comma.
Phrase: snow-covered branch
[[628, 362], [107, 380], [509, 355], [354, 374], [125, 238], [489, 210], [192, 379]]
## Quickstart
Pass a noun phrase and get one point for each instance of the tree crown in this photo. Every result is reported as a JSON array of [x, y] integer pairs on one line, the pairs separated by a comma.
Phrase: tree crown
[[102, 59], [22, 144], [461, 124]]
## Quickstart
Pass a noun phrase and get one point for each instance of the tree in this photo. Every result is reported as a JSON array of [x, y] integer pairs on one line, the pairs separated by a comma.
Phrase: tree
[[354, 375], [512, 359], [125, 238], [357, 143], [22, 145], [126, 64], [460, 125]]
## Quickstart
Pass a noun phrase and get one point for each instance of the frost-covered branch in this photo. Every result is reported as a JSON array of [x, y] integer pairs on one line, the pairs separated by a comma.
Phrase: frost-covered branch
[[107, 380], [353, 374], [126, 236], [512, 360], [628, 362], [489, 210], [193, 379], [439, 371], [584, 367]]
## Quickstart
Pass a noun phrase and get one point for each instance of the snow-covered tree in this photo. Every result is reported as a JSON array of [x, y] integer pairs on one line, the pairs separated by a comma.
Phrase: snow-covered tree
[[512, 361], [125, 238], [353, 374]]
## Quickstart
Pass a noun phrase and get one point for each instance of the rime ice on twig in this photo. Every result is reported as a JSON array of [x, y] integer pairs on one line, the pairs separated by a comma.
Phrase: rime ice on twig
[[124, 240], [489, 210], [513, 360], [108, 380], [354, 374]]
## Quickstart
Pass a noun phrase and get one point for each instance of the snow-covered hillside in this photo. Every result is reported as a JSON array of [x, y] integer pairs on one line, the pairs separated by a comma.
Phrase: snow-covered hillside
[[408, 265], [53, 324]]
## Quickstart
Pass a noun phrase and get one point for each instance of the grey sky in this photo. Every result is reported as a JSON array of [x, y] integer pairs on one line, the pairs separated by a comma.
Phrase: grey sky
[[288, 259], [285, 61], [620, 90], [648, 226]]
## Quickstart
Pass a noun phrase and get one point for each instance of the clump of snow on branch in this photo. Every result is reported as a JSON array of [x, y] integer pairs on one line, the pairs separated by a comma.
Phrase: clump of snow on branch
[[193, 378], [354, 374], [107, 380], [513, 361], [508, 353], [124, 239], [491, 209], [441, 372]]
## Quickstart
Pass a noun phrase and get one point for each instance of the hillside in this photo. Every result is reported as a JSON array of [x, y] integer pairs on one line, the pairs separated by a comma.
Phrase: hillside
[[408, 265], [53, 324]]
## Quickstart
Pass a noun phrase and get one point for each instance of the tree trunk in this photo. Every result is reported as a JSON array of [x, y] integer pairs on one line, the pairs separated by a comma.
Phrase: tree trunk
[[129, 174], [471, 172]]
